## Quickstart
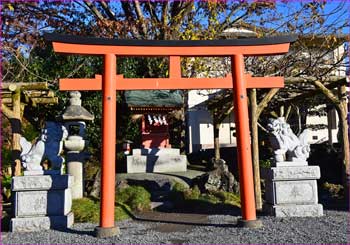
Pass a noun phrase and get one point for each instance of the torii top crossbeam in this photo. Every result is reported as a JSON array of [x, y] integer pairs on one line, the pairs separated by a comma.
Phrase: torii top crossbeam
[[109, 82]]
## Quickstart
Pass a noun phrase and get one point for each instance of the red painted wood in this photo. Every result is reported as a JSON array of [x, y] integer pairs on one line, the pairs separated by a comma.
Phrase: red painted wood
[[169, 83], [238, 81], [108, 142], [246, 180]]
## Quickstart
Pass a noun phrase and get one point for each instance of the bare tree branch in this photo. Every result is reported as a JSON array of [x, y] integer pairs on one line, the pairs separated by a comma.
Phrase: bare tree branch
[[108, 10], [328, 93], [164, 19], [95, 11], [267, 98], [141, 18], [150, 6]]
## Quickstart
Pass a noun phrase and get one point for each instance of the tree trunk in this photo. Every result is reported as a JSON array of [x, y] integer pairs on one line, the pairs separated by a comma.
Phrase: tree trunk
[[216, 139], [255, 148], [341, 106], [15, 121], [344, 127], [256, 110], [342, 112]]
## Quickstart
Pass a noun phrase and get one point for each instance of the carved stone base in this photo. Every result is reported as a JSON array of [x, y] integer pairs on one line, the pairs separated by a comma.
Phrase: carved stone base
[[30, 224], [42, 202], [305, 210], [38, 203], [292, 191]]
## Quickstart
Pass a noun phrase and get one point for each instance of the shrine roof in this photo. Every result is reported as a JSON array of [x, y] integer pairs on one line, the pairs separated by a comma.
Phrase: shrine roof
[[54, 37], [156, 98]]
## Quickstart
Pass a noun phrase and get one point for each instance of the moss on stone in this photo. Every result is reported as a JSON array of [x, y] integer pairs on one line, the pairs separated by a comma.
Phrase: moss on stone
[[136, 197]]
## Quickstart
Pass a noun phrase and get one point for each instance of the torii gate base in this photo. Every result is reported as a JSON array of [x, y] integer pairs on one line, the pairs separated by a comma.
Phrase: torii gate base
[[110, 82]]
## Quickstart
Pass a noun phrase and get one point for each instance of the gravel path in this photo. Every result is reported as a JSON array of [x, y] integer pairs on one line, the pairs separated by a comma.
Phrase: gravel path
[[333, 227]]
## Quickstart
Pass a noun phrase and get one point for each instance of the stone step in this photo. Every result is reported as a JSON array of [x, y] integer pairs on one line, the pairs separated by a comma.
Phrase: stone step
[[156, 164], [311, 210], [156, 151]]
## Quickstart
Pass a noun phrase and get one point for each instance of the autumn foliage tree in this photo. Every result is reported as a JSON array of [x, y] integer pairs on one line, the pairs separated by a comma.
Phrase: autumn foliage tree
[[309, 65]]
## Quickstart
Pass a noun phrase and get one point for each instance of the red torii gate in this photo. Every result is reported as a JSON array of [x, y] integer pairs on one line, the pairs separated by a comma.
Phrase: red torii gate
[[109, 82]]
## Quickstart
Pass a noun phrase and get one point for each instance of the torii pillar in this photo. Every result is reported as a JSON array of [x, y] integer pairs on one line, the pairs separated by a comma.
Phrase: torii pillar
[[109, 82]]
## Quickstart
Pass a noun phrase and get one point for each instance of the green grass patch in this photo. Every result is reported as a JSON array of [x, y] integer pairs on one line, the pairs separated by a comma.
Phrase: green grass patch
[[179, 187], [209, 198], [132, 198], [87, 210], [227, 198], [192, 194]]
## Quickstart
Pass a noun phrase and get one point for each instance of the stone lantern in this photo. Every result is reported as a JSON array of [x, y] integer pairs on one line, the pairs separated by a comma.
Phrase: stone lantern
[[74, 118]]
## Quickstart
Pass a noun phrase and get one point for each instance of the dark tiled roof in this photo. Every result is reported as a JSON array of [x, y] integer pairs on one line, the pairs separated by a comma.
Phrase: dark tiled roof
[[154, 98]]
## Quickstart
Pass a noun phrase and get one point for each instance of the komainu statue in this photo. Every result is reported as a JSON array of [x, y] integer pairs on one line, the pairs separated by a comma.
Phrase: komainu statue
[[48, 146], [286, 145]]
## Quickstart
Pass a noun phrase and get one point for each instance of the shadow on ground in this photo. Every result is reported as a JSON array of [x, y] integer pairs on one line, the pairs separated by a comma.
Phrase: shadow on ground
[[194, 214]]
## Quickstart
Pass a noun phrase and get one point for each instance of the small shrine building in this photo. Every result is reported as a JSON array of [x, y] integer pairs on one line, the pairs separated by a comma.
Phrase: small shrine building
[[154, 107]]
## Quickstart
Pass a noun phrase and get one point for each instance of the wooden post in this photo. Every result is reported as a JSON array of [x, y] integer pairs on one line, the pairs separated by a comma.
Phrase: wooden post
[[15, 121], [13, 109], [255, 147], [216, 128], [243, 143], [107, 227], [342, 109]]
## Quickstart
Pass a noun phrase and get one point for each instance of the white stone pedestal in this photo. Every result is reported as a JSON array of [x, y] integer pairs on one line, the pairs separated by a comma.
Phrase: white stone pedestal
[[291, 191], [75, 168], [42, 202], [156, 160]]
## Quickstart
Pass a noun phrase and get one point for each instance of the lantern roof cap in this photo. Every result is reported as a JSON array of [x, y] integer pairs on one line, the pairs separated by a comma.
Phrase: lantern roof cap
[[75, 112]]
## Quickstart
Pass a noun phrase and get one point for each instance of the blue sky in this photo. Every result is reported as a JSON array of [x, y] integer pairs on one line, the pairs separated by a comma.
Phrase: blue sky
[[335, 13]]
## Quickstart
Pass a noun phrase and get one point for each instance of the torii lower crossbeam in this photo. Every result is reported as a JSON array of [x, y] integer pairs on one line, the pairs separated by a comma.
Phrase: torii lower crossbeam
[[110, 82]]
